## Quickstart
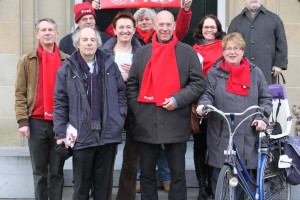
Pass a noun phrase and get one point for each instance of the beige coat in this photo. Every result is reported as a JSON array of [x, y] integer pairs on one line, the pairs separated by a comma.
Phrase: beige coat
[[26, 85]]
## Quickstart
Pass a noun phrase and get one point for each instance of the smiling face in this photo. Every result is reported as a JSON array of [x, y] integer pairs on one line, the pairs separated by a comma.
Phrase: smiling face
[[124, 29], [46, 33], [145, 23], [87, 43], [164, 26], [233, 53], [209, 30]]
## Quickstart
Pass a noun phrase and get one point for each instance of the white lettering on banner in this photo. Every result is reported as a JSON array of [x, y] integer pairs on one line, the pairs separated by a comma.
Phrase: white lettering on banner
[[84, 11], [148, 98], [48, 114], [119, 2]]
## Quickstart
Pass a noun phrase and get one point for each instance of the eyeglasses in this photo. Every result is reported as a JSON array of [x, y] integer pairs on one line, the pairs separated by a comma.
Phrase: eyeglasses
[[235, 50], [85, 19], [210, 27]]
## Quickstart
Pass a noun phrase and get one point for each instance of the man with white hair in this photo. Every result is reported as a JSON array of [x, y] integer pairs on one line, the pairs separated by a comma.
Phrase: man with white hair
[[90, 95], [266, 44]]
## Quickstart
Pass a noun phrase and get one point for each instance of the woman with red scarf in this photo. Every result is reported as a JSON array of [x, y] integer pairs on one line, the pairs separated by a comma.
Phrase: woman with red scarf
[[208, 44], [234, 84]]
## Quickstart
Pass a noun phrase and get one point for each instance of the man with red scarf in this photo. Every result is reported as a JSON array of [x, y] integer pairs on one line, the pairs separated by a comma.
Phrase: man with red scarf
[[145, 23], [164, 80], [34, 106]]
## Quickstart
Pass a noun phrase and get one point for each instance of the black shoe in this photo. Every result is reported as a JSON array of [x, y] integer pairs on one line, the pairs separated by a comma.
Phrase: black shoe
[[202, 193]]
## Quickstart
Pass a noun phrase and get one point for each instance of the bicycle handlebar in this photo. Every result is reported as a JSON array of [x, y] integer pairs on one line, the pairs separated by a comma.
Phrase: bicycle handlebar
[[209, 108]]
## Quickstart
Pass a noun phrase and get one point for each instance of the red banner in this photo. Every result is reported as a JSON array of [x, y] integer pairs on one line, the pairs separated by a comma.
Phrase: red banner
[[105, 4]]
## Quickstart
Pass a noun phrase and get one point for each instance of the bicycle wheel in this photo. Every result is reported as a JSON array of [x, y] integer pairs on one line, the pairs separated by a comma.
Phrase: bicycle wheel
[[274, 179], [224, 190]]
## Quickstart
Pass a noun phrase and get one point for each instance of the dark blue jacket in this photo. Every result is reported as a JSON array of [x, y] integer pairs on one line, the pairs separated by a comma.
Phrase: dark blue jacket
[[71, 103]]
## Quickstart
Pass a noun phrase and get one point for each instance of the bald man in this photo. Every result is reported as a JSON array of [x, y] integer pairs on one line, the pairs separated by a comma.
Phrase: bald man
[[164, 80]]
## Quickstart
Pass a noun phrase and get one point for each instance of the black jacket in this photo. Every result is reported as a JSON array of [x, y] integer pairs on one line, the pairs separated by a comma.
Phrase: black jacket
[[72, 106]]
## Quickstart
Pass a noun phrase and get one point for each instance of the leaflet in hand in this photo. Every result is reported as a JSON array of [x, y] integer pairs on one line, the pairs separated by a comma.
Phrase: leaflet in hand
[[71, 134]]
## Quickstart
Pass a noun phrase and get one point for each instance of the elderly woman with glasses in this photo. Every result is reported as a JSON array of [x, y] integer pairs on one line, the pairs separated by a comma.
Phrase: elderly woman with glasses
[[234, 84]]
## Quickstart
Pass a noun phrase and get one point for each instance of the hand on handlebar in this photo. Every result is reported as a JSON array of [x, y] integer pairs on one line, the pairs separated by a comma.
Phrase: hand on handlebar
[[260, 125], [199, 109]]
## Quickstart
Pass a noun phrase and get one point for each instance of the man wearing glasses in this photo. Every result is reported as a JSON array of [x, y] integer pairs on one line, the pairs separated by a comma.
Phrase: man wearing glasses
[[84, 17]]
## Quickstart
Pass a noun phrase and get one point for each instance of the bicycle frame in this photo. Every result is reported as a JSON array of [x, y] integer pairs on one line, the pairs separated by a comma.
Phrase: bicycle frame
[[262, 156]]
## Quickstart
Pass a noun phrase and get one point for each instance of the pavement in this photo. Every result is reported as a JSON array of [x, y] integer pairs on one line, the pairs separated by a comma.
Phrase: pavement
[[192, 190]]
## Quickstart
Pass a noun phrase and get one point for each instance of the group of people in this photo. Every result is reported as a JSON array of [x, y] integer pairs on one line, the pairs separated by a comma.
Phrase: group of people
[[137, 75]]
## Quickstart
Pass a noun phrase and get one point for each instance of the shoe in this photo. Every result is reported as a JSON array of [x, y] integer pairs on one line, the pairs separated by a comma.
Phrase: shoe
[[166, 187], [138, 187], [202, 193]]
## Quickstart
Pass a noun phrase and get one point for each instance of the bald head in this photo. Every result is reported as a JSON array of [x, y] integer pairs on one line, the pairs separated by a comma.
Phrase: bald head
[[164, 26]]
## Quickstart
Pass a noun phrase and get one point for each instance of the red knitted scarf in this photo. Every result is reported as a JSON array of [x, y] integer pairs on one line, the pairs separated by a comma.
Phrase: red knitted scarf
[[210, 53], [50, 63], [145, 36], [239, 78], [161, 77]]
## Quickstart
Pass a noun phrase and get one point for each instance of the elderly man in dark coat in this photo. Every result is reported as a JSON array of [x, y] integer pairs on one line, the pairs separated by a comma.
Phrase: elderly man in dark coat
[[266, 44], [164, 80]]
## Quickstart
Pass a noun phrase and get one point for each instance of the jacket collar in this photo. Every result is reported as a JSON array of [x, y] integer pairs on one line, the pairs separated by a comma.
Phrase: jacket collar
[[33, 54], [109, 45], [261, 8], [218, 62], [104, 56]]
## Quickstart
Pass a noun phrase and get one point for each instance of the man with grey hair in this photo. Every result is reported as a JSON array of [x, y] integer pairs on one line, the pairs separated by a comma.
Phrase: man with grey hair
[[145, 18], [266, 44], [90, 96], [34, 106]]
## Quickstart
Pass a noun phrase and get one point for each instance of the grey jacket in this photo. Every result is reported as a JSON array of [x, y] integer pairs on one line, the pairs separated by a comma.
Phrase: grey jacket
[[72, 105], [157, 125], [266, 44], [217, 130]]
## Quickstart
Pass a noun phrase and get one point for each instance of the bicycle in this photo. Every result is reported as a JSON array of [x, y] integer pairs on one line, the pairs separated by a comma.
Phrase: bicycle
[[270, 180]]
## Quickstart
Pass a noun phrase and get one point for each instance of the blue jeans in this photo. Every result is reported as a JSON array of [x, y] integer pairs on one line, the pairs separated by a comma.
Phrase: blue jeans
[[163, 168]]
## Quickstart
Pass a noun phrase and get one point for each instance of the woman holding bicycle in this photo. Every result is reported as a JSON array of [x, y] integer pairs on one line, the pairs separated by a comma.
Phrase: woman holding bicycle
[[234, 84]]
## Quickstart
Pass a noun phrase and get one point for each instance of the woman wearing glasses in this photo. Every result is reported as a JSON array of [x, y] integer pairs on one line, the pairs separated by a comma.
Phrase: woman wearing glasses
[[234, 84], [208, 44]]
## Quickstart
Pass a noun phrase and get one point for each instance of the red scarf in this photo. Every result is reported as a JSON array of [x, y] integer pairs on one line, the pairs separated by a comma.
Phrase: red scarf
[[145, 36], [161, 77], [239, 78], [210, 53], [50, 63]]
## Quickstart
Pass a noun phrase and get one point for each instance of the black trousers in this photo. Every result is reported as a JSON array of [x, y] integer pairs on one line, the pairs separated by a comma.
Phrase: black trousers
[[93, 166], [43, 155], [175, 153], [127, 180]]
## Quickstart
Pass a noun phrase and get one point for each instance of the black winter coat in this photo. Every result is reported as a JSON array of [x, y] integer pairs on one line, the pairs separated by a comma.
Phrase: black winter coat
[[157, 125], [72, 106]]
